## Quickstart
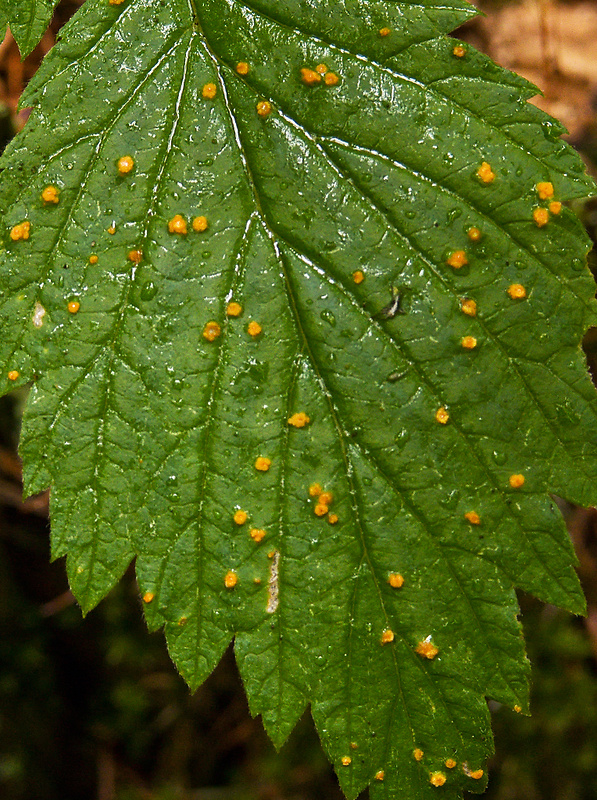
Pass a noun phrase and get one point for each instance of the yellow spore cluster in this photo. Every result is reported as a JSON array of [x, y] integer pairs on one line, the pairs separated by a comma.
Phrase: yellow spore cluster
[[234, 309], [200, 224], [468, 307], [442, 416], [125, 165], [254, 329], [324, 501], [299, 420], [230, 579], [20, 231], [517, 291], [395, 580], [485, 173], [50, 195], [427, 649], [178, 224], [457, 259], [211, 331]]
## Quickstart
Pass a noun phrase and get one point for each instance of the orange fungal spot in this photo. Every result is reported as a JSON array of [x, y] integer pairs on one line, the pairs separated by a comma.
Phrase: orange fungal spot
[[264, 108], [331, 79], [346, 761], [115, 2], [211, 331], [253, 329], [13, 375], [178, 224], [384, 32], [209, 91], [257, 534], [321, 510], [50, 194], [358, 276], [299, 420], [468, 307], [437, 778], [485, 173], [518, 709], [321, 68], [474, 234], [395, 580], [234, 309], [315, 490], [230, 579], [200, 224], [148, 597], [450, 763], [93, 259], [125, 165], [380, 775], [263, 464], [74, 306], [242, 68], [135, 256], [555, 207], [517, 291], [240, 517], [459, 51], [469, 342], [20, 231], [476, 774], [544, 190], [332, 519], [387, 636], [111, 230], [540, 217], [427, 649], [326, 498], [473, 517], [310, 76], [442, 416], [182, 621], [516, 481], [418, 754], [457, 259]]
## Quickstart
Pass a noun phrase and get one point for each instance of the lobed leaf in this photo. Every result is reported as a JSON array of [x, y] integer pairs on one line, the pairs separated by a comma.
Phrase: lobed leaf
[[392, 285]]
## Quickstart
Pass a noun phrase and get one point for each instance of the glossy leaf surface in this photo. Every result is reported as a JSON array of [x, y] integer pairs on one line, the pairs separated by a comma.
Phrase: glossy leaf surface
[[365, 191], [28, 20]]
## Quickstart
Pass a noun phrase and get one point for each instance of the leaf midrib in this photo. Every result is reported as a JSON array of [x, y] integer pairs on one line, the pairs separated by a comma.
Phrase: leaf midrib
[[327, 395], [366, 196]]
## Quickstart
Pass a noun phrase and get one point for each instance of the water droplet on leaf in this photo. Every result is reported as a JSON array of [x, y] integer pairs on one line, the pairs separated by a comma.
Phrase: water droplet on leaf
[[148, 291]]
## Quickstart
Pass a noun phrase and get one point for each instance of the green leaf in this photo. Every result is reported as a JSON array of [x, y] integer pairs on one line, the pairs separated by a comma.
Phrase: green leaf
[[28, 20], [148, 428]]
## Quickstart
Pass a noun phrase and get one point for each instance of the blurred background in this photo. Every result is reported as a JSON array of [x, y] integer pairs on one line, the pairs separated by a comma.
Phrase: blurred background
[[93, 709]]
